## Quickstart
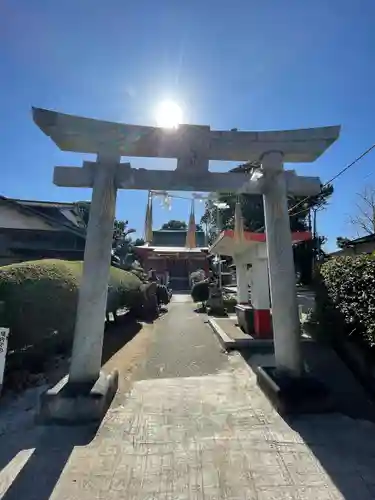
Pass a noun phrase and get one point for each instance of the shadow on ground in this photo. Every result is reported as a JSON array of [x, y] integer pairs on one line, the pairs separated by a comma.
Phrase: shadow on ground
[[349, 396], [345, 449], [343, 442], [33, 457], [40, 455], [118, 334]]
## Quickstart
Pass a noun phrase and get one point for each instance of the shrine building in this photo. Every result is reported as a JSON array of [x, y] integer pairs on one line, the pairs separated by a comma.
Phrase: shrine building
[[172, 260]]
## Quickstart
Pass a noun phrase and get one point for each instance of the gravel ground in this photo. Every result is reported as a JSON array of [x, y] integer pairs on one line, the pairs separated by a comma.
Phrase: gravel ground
[[183, 345]]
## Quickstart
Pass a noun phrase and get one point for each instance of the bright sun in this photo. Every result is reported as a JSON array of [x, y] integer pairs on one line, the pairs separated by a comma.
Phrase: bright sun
[[168, 114]]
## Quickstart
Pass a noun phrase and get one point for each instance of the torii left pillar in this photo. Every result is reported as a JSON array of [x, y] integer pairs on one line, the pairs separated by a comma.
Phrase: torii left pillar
[[87, 393]]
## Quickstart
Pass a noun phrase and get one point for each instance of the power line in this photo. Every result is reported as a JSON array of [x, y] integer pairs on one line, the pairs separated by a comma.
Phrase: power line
[[336, 176], [342, 171]]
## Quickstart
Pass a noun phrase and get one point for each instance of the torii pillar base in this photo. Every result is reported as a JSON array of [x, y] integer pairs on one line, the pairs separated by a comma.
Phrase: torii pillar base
[[78, 404], [294, 395]]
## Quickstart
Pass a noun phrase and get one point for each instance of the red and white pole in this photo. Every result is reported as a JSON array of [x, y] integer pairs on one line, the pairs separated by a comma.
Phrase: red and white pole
[[260, 298]]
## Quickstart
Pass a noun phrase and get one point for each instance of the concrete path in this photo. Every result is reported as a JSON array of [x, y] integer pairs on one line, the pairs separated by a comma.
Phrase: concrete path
[[183, 344], [208, 436]]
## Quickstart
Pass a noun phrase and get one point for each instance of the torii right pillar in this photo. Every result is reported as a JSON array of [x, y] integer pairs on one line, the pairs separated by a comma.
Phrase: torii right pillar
[[285, 318]]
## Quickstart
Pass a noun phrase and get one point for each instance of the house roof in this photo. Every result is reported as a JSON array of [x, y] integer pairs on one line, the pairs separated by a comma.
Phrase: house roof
[[354, 243], [363, 239], [48, 211]]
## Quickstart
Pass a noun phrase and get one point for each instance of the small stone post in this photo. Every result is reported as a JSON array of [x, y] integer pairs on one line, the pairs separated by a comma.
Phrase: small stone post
[[89, 328], [286, 326]]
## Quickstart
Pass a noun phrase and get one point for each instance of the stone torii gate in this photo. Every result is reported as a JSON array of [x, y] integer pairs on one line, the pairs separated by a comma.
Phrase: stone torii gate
[[87, 393]]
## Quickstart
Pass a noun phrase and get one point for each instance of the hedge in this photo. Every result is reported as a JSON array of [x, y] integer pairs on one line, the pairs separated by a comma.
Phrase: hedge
[[230, 302], [200, 291], [346, 296], [41, 299], [162, 294]]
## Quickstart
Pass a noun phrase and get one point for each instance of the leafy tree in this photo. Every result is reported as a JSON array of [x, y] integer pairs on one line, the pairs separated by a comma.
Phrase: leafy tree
[[122, 244], [82, 208], [138, 242], [342, 242], [174, 225], [300, 211]]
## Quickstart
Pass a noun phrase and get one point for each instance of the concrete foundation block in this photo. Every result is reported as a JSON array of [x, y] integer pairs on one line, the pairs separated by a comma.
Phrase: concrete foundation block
[[76, 404], [294, 395], [245, 318]]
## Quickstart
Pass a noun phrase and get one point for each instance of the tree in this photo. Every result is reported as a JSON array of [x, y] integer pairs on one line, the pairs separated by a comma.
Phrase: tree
[[300, 216], [342, 242], [82, 209], [364, 219], [139, 242], [175, 225], [122, 243]]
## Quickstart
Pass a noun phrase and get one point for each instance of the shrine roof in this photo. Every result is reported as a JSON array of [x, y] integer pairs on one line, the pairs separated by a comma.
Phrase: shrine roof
[[175, 238]]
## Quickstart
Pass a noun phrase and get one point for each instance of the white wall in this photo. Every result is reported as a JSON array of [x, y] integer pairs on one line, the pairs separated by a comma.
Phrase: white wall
[[11, 218]]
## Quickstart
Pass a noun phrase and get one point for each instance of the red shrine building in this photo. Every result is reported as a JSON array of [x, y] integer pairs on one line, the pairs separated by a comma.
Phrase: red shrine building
[[171, 259]]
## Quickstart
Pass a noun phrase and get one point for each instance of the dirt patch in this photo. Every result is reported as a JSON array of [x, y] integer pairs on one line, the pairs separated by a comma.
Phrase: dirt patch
[[125, 347]]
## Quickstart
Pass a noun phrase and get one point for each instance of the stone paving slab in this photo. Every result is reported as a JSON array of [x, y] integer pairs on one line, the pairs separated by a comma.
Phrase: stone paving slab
[[231, 337], [183, 344], [207, 435], [210, 437]]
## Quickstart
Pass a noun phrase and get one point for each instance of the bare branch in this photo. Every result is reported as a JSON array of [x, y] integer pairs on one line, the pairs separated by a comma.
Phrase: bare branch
[[364, 220]]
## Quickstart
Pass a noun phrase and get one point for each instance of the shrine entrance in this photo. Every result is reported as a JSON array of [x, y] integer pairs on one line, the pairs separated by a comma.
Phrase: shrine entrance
[[178, 273], [193, 147]]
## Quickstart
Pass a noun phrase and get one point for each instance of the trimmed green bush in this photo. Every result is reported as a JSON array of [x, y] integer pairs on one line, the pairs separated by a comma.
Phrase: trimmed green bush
[[230, 302], [346, 296], [197, 276], [162, 294], [41, 299], [200, 291]]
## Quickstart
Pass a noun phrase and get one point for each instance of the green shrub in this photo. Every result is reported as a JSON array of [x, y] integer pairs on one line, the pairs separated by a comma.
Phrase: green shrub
[[124, 290], [230, 302], [41, 299], [200, 291], [162, 294], [197, 276], [346, 296]]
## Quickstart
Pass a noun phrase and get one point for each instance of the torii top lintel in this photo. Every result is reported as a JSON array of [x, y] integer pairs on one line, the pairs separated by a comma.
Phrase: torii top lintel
[[86, 135]]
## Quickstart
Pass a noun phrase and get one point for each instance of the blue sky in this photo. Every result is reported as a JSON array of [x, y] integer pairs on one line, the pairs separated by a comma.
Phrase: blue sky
[[251, 64]]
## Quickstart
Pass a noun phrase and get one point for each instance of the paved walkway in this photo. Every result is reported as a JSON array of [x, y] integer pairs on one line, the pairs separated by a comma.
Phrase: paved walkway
[[183, 345], [209, 436]]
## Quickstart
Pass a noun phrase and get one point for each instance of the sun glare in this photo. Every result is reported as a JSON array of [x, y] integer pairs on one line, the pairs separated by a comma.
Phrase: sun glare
[[168, 115]]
